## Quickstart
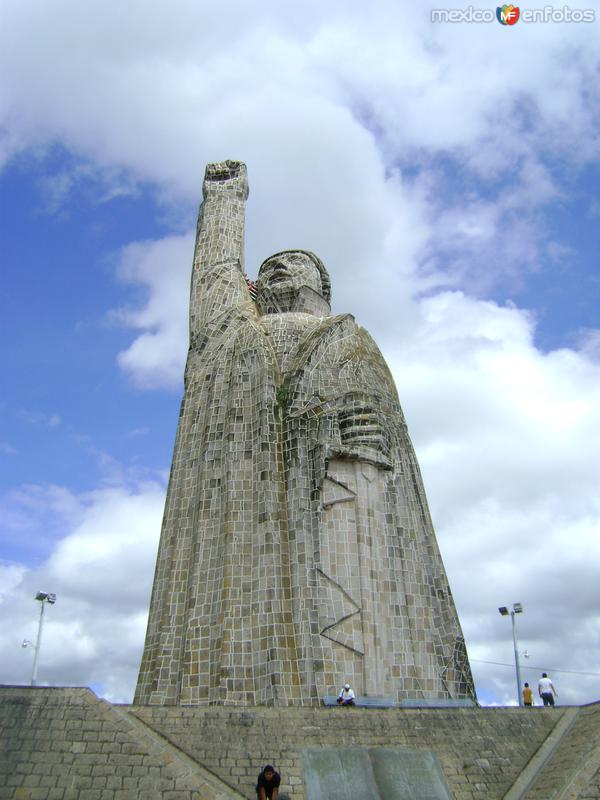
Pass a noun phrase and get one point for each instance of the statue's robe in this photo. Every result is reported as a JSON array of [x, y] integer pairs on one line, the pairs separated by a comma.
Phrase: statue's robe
[[297, 552]]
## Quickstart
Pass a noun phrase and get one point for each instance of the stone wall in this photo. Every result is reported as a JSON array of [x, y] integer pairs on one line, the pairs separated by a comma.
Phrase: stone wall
[[66, 744], [575, 765], [481, 751]]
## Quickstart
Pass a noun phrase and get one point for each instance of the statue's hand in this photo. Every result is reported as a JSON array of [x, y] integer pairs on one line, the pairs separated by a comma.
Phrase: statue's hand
[[360, 424], [225, 176]]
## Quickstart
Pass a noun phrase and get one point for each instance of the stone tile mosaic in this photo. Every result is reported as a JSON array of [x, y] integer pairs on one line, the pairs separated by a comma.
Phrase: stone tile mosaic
[[297, 550]]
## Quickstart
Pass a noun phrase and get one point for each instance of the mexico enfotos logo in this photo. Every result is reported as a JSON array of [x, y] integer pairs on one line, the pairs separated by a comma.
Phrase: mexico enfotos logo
[[509, 15]]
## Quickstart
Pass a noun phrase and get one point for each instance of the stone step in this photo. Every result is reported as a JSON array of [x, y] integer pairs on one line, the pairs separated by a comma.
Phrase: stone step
[[526, 779], [202, 780], [572, 770]]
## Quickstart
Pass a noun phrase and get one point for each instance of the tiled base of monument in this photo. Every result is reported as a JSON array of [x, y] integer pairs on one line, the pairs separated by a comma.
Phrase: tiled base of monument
[[66, 744]]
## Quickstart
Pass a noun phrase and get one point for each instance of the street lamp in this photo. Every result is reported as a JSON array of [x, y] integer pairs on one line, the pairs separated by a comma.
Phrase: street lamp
[[43, 597], [517, 609]]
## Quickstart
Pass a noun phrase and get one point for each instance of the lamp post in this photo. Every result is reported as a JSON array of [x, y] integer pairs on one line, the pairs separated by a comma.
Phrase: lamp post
[[43, 597], [517, 609]]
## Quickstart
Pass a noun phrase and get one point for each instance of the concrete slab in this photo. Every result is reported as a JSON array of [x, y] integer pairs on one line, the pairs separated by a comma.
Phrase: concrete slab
[[356, 773]]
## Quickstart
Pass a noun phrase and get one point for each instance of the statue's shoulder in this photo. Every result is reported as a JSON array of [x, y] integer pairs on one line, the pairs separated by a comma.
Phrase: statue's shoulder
[[342, 326], [322, 336], [335, 323], [337, 338]]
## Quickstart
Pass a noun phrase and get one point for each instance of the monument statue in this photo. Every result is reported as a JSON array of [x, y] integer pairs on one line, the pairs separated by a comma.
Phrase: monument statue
[[297, 551]]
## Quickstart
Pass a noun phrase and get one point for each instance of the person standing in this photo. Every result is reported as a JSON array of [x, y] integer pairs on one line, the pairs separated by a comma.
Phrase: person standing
[[527, 695], [346, 697], [267, 785], [547, 690]]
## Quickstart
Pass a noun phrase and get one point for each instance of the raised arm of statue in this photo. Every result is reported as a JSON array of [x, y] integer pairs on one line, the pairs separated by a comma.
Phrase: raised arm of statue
[[217, 277], [220, 235]]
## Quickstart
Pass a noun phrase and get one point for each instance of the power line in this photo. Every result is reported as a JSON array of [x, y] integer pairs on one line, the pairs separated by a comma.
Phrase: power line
[[543, 669]]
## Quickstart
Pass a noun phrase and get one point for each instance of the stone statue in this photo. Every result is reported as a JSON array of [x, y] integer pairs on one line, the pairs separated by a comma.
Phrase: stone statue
[[297, 550]]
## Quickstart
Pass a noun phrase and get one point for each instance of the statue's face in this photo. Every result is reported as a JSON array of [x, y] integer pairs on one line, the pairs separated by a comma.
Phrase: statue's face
[[283, 276]]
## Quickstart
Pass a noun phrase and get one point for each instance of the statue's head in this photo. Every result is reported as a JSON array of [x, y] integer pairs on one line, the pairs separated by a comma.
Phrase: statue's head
[[285, 276]]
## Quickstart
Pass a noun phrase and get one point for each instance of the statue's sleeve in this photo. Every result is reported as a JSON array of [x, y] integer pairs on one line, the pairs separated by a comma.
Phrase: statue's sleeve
[[218, 282], [340, 376]]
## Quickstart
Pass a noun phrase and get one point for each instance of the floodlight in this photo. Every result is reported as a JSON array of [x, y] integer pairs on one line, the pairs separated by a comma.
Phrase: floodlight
[[49, 597], [503, 610]]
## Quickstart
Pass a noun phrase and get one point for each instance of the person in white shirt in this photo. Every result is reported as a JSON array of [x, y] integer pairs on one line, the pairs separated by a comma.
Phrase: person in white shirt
[[346, 696], [547, 690]]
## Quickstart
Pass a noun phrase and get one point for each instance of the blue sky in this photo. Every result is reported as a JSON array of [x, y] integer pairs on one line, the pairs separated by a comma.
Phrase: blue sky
[[448, 176], [67, 411]]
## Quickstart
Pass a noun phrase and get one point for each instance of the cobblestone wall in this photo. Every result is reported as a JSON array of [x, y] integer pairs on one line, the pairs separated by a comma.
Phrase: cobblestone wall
[[65, 744], [575, 765], [481, 751]]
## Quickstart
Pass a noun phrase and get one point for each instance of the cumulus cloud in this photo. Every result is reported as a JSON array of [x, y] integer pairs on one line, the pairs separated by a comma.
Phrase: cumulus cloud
[[321, 106], [101, 572], [156, 356], [507, 438], [589, 342]]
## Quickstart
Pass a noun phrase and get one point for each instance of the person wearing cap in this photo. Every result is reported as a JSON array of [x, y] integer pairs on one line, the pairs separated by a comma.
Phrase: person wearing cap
[[267, 785], [346, 696], [547, 690]]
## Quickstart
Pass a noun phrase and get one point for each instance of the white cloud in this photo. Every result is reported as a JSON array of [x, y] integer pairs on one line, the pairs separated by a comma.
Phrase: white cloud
[[314, 104], [507, 439], [589, 343], [101, 572], [41, 418], [11, 576], [157, 355], [520, 425]]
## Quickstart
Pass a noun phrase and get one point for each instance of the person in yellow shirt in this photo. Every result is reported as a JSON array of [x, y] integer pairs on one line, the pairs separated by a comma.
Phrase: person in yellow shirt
[[527, 695]]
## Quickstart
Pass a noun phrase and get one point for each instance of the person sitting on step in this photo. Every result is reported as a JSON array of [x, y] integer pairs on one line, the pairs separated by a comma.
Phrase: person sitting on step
[[346, 697]]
